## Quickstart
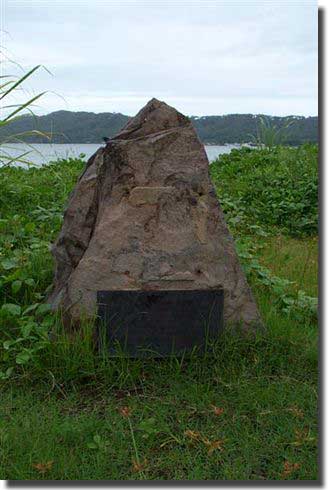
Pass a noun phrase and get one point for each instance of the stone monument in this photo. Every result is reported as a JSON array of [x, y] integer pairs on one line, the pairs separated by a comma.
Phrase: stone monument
[[144, 216]]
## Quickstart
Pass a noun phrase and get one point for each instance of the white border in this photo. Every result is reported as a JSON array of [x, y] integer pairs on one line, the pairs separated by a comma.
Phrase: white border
[[324, 213]]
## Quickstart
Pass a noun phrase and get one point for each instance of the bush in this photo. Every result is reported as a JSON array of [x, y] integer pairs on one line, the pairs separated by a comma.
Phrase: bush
[[270, 187], [31, 209]]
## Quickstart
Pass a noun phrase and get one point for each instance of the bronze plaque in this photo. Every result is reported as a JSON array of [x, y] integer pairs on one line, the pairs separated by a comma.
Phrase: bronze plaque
[[158, 323]]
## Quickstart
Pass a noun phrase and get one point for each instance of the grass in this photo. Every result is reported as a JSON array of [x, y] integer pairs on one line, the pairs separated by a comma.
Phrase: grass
[[265, 389], [246, 412], [294, 259], [10, 85]]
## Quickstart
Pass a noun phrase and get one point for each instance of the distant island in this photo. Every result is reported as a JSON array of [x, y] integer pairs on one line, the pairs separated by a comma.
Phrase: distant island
[[88, 127]]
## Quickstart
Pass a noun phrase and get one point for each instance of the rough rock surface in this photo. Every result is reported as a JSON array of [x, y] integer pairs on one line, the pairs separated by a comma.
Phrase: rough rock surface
[[144, 215]]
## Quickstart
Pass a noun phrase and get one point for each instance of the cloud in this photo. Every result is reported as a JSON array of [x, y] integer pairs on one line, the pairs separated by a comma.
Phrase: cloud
[[209, 57]]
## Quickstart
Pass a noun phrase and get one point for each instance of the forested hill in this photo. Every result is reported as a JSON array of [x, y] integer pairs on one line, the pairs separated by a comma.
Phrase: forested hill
[[87, 127], [238, 128]]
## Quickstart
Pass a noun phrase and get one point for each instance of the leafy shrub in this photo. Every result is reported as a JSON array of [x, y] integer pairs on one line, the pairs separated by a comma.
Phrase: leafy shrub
[[31, 209], [270, 187]]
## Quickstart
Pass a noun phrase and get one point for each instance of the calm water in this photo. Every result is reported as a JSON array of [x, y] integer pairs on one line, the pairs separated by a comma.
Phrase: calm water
[[39, 154]]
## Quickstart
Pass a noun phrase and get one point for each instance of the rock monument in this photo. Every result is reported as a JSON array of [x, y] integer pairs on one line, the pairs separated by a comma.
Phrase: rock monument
[[144, 216]]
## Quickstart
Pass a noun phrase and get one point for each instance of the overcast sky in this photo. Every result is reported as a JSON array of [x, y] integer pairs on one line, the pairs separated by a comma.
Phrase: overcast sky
[[203, 57]]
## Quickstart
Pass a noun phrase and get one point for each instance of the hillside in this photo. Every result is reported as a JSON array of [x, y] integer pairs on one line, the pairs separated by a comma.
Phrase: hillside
[[88, 127], [238, 128]]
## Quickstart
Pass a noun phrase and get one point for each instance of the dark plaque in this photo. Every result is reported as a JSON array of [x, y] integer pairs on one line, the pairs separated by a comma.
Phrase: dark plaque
[[158, 323]]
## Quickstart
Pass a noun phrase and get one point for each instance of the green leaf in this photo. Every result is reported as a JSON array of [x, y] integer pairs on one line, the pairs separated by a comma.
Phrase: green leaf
[[26, 329], [15, 286], [23, 357], [7, 344], [92, 445], [21, 107], [43, 309], [30, 282], [97, 439], [6, 374], [31, 308], [29, 227], [8, 264], [11, 309], [20, 81], [9, 371], [3, 375]]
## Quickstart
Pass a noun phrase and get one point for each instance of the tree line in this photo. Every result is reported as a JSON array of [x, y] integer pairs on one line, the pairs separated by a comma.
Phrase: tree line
[[88, 127]]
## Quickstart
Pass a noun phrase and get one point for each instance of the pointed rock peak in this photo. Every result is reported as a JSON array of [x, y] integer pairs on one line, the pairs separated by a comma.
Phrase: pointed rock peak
[[154, 117]]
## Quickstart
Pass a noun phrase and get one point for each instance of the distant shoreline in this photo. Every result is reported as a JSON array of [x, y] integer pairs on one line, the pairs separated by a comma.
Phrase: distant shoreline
[[43, 153]]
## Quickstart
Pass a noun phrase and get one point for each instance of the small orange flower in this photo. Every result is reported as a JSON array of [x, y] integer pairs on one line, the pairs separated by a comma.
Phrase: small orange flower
[[289, 468], [137, 466], [296, 411], [43, 467], [214, 445], [194, 435], [125, 412], [217, 410]]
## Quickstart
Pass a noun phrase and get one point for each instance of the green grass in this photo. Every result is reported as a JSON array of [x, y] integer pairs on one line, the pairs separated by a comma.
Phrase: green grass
[[294, 259], [267, 389], [61, 409]]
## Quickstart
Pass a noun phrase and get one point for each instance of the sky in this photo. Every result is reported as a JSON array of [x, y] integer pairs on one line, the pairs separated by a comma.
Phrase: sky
[[205, 57]]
